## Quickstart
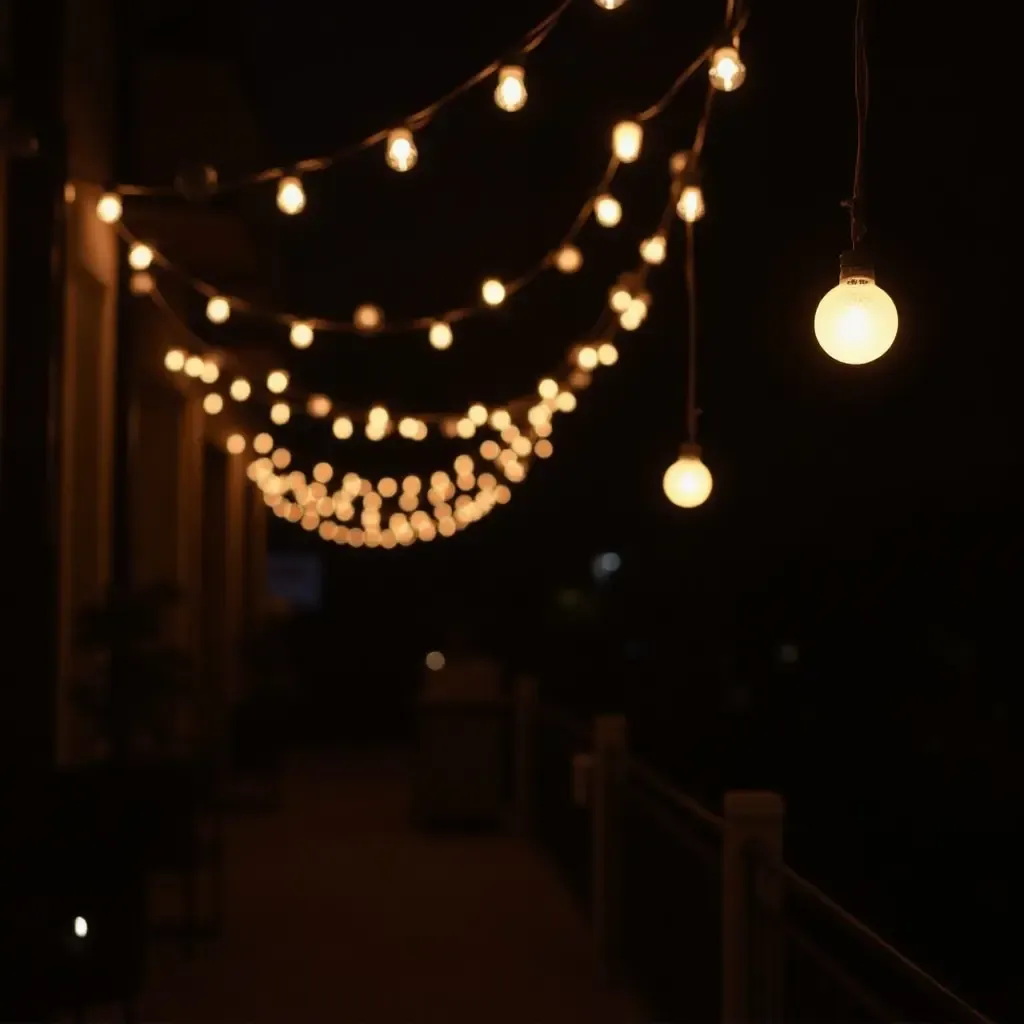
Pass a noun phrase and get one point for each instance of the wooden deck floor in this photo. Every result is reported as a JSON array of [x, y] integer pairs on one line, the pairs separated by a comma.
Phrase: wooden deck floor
[[336, 909]]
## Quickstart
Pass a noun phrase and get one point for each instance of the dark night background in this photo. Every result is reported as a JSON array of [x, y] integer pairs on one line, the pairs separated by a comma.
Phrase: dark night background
[[869, 516]]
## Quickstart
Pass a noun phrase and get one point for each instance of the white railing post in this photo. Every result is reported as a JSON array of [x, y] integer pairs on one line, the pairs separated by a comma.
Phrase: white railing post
[[753, 950], [524, 756], [607, 799]]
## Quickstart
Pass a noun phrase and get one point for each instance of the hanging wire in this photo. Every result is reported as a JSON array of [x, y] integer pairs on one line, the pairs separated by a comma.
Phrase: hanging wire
[[692, 412], [861, 95], [414, 122]]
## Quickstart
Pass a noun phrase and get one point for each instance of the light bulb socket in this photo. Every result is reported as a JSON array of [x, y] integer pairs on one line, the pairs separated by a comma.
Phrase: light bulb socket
[[690, 450], [855, 265]]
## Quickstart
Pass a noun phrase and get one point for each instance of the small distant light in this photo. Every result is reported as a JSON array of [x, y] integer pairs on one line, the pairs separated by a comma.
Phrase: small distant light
[[81, 927], [605, 565], [435, 661]]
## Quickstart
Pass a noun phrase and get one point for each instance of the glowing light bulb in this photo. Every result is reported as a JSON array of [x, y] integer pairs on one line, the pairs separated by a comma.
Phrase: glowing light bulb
[[277, 381], [140, 256], [81, 927], [687, 482], [368, 318], [301, 334], [608, 354], [262, 443], [291, 197], [510, 93], [727, 72], [440, 335], [240, 389], [627, 139], [210, 373], [280, 413], [342, 428], [109, 208], [587, 358], [620, 296], [318, 406], [141, 283], [218, 309], [213, 404], [609, 5], [235, 444], [607, 210], [401, 151], [493, 292], [856, 322], [175, 360], [547, 388], [194, 366], [477, 414], [568, 259], [691, 204], [653, 250]]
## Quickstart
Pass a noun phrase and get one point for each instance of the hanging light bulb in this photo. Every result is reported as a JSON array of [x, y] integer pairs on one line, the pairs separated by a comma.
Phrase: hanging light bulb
[[856, 322], [235, 444], [240, 389], [301, 334], [277, 382], [280, 413], [401, 150], [140, 256], [440, 335], [568, 259], [687, 482], [318, 406], [194, 366], [587, 358], [691, 203], [627, 138], [210, 372], [510, 93], [493, 292], [109, 208], [213, 404], [609, 5], [175, 360], [218, 309], [342, 428], [653, 250], [727, 72], [291, 197], [368, 318], [607, 210]]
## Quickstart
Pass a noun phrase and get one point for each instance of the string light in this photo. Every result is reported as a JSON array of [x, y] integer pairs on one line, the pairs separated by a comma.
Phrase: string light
[[109, 208], [368, 318], [401, 150], [193, 366], [218, 309], [510, 93], [210, 372], [277, 382], [568, 259], [653, 250], [440, 335], [607, 210], [627, 140], [280, 413], [342, 428], [240, 389], [301, 334], [727, 72], [235, 444], [140, 256], [174, 360], [493, 292], [291, 197], [213, 404]]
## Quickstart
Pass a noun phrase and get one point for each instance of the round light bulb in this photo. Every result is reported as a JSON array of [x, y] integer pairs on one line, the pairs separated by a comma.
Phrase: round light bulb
[[140, 256], [691, 204], [493, 292], [687, 482], [235, 444], [291, 197], [280, 413], [194, 366], [240, 389], [856, 322], [342, 428], [653, 250], [510, 93], [727, 72], [175, 360], [277, 381], [607, 210], [318, 406], [401, 151], [109, 208], [301, 334], [213, 404], [609, 5], [210, 372], [627, 139], [440, 335], [368, 318], [218, 309], [587, 358], [568, 259]]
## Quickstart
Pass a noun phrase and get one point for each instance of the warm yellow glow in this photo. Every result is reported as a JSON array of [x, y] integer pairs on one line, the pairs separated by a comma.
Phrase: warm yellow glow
[[280, 413], [586, 358], [281, 458], [568, 259], [401, 150], [141, 283], [109, 208], [609, 5], [235, 444], [322, 472], [627, 139], [566, 402], [218, 309], [653, 250], [493, 292], [318, 406], [489, 450], [510, 93], [210, 372], [194, 366], [607, 354], [440, 335], [213, 404], [634, 314], [500, 419], [140, 256], [727, 71], [619, 298], [342, 428], [175, 360], [435, 661], [240, 389], [465, 428], [277, 382], [368, 318], [687, 482], [378, 414], [262, 443], [387, 487], [543, 448], [301, 334], [856, 322], [691, 204], [291, 197], [607, 210], [547, 388]]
